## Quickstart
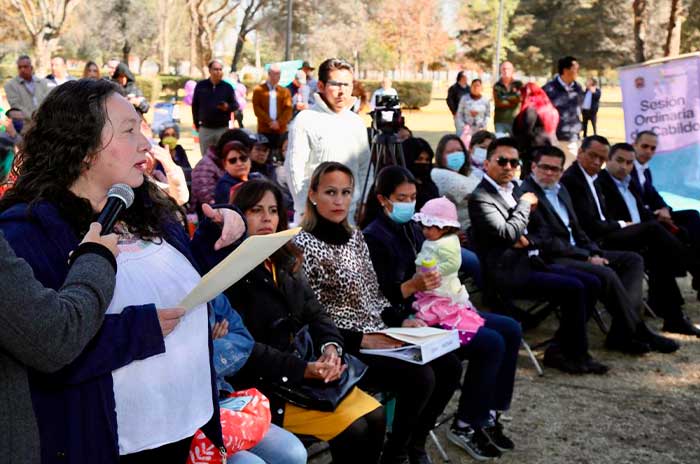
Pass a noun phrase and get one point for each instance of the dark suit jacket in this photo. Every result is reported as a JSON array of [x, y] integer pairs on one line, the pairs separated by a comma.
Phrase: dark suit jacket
[[650, 196], [615, 204], [584, 204], [548, 231], [495, 228]]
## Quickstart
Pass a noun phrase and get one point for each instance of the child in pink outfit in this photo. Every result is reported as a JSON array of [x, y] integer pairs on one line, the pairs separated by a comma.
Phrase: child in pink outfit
[[447, 306]]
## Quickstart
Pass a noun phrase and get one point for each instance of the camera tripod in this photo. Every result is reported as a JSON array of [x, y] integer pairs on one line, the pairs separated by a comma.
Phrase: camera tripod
[[385, 151]]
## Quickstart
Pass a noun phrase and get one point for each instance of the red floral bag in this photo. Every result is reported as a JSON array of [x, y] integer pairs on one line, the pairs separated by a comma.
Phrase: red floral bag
[[245, 419]]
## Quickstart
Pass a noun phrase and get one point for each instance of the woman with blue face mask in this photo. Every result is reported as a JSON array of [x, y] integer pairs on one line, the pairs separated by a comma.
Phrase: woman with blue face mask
[[393, 248], [478, 145], [456, 178]]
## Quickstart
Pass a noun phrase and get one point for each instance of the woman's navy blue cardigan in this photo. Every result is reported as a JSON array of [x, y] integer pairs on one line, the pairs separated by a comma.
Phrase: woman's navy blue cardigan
[[75, 406]]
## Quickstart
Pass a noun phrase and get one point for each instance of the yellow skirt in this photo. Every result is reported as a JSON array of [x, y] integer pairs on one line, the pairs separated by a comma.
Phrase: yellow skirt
[[327, 425]]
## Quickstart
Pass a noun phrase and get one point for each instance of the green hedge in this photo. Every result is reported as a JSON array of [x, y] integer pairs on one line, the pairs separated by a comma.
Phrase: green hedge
[[413, 94], [170, 85], [150, 86]]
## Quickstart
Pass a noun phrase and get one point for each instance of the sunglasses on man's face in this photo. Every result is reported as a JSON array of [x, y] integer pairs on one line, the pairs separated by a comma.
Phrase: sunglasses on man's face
[[502, 161], [242, 158]]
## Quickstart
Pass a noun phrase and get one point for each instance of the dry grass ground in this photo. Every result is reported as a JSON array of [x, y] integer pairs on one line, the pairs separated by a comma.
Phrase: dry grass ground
[[645, 411]]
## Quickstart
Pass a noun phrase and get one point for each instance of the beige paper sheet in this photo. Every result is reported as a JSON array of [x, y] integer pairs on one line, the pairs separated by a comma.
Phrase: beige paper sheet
[[253, 251]]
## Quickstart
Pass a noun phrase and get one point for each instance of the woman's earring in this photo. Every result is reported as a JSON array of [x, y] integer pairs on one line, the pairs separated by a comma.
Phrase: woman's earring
[[314, 203]]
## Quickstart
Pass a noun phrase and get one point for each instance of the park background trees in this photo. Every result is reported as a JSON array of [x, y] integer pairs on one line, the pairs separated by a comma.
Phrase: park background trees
[[401, 35]]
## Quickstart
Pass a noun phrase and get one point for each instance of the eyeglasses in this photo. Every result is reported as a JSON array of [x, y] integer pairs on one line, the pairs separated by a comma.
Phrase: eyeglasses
[[216, 69], [242, 159], [549, 167], [514, 162], [339, 84]]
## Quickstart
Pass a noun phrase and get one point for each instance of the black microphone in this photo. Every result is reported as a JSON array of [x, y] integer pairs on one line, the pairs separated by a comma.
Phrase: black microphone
[[119, 198]]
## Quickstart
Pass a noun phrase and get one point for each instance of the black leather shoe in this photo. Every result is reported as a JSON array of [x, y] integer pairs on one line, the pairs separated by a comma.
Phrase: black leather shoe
[[681, 326], [627, 346], [556, 360], [595, 367], [662, 344]]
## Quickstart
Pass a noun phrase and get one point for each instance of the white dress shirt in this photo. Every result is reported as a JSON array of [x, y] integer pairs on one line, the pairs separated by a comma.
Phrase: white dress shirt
[[589, 180], [640, 172], [272, 109], [506, 192]]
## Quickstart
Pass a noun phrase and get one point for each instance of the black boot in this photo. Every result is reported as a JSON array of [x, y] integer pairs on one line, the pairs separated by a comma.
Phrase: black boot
[[656, 342]]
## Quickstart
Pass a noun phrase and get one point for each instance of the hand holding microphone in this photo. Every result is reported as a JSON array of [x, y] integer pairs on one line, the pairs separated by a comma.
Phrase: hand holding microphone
[[109, 241], [119, 198]]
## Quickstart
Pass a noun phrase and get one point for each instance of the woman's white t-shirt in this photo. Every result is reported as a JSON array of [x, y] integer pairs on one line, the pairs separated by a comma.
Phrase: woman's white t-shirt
[[167, 397]]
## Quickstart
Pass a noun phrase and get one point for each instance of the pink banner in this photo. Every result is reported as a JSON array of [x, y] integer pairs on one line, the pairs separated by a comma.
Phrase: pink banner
[[663, 97]]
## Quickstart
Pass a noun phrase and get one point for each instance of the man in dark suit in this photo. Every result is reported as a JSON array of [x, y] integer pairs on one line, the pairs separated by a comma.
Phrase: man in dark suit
[[665, 256], [510, 261], [648, 238], [686, 223], [590, 105], [561, 240]]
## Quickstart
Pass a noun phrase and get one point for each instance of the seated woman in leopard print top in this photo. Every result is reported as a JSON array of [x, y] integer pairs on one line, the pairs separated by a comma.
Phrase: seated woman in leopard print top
[[338, 267]]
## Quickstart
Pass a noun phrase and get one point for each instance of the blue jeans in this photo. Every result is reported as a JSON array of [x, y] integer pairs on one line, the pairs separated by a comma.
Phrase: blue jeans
[[492, 355], [471, 266], [277, 447]]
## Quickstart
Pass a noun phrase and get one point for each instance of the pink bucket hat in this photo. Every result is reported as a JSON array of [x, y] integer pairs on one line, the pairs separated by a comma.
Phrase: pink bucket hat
[[439, 212]]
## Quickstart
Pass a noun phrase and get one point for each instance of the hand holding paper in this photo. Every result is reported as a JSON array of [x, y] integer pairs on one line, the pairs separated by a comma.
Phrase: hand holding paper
[[253, 251]]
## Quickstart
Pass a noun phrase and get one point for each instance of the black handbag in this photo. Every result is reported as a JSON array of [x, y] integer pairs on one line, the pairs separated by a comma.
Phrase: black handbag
[[316, 394]]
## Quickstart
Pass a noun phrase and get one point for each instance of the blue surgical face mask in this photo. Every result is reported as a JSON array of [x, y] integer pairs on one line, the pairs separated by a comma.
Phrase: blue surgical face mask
[[401, 213], [455, 160], [478, 156]]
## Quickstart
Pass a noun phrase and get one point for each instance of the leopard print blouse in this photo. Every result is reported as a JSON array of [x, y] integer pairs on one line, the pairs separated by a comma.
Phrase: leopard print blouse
[[344, 281]]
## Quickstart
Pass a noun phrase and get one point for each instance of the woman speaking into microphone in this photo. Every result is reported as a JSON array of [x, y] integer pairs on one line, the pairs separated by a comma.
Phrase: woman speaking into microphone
[[144, 384]]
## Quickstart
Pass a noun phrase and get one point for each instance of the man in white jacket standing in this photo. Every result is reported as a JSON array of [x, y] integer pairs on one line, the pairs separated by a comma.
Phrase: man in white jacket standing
[[328, 131]]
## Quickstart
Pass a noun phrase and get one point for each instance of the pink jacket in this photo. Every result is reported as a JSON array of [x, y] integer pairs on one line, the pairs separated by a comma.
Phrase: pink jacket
[[241, 92], [205, 175]]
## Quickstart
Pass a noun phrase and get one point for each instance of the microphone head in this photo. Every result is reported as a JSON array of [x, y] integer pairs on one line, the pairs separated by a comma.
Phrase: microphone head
[[123, 192]]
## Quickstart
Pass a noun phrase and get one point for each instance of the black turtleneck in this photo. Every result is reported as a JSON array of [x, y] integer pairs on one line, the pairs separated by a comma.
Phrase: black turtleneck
[[330, 232]]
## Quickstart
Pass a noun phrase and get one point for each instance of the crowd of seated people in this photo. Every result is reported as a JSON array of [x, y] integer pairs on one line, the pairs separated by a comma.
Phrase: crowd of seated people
[[575, 238]]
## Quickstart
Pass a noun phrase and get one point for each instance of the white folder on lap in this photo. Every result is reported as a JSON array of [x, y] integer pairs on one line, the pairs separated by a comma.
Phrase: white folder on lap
[[423, 344]]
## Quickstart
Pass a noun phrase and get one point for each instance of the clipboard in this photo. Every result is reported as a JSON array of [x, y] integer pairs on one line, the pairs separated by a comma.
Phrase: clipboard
[[249, 254]]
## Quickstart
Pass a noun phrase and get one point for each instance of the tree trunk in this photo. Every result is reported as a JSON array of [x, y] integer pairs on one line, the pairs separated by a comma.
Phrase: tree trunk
[[126, 49], [165, 7], [240, 38], [240, 42], [194, 32], [41, 52], [673, 31], [640, 16], [166, 45]]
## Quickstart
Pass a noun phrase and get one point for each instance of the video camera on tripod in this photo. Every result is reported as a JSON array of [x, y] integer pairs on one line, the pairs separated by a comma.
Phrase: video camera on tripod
[[386, 117], [385, 148]]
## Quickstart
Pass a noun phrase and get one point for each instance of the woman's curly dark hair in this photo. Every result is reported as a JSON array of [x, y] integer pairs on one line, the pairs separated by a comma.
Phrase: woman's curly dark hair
[[63, 138]]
